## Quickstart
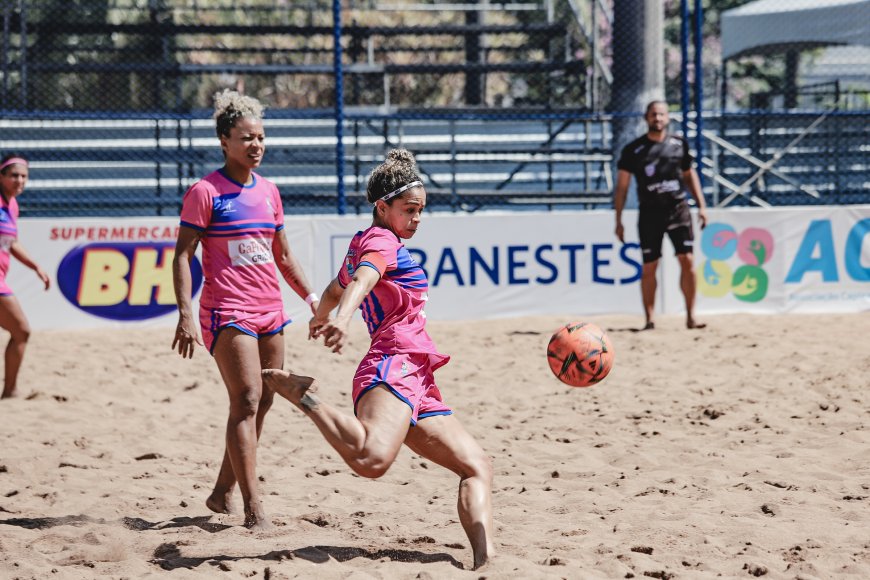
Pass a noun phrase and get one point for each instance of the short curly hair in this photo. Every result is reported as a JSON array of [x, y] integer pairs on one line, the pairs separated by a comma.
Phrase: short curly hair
[[230, 106], [398, 169]]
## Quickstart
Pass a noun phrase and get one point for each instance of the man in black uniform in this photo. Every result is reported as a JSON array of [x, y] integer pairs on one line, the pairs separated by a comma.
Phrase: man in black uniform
[[662, 166]]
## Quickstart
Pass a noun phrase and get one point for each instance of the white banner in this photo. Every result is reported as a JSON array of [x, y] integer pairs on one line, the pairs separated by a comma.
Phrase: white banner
[[111, 271], [784, 260]]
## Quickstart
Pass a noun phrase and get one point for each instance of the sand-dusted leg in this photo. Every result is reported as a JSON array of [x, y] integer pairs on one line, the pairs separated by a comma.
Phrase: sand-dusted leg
[[445, 441], [271, 356], [238, 358]]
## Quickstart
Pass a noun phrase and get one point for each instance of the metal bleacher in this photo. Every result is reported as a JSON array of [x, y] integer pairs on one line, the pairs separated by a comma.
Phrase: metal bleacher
[[794, 158], [113, 161], [143, 166]]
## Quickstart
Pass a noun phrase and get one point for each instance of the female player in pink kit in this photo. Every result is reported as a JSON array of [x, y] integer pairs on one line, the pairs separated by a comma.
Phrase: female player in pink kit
[[395, 396], [13, 177], [238, 217]]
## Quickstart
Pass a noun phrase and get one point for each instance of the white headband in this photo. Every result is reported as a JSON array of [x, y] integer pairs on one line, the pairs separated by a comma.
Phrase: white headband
[[401, 190]]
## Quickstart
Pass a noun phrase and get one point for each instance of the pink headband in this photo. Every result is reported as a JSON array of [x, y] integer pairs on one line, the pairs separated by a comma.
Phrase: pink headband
[[13, 161]]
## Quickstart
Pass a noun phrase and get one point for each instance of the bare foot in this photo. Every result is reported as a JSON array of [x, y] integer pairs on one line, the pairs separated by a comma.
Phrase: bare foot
[[221, 503], [9, 394], [649, 326], [297, 389], [691, 323], [257, 521]]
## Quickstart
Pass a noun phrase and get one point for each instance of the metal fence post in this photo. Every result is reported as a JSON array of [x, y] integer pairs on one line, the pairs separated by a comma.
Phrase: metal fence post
[[7, 16], [341, 201], [684, 65], [699, 86], [159, 190], [23, 53]]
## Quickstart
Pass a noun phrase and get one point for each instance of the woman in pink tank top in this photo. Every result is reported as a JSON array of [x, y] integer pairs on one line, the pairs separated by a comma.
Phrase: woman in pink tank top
[[237, 218], [396, 399], [14, 172]]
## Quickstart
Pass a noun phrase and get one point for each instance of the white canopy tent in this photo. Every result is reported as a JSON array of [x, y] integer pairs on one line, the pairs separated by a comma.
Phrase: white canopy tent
[[794, 22]]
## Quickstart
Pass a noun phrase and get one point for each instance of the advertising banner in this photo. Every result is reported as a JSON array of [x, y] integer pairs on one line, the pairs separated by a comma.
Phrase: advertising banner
[[793, 260], [110, 272]]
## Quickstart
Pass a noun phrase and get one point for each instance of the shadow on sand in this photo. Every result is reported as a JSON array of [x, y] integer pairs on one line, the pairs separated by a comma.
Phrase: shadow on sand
[[136, 524], [168, 556]]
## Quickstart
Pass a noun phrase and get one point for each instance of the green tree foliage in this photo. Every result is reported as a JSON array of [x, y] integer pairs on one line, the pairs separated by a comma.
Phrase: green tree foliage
[[747, 75]]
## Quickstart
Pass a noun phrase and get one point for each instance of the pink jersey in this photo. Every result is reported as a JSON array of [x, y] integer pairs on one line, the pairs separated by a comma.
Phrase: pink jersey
[[8, 235], [393, 310], [240, 222]]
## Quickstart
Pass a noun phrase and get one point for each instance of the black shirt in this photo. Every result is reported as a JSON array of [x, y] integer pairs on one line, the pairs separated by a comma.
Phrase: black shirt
[[658, 169]]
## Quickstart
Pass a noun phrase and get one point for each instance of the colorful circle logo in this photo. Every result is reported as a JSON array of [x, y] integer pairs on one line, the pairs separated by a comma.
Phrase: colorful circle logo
[[753, 246]]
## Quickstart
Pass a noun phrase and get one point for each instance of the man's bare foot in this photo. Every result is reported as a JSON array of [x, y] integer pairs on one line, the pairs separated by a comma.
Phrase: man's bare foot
[[221, 503], [649, 326], [297, 389], [692, 323], [9, 394], [480, 564]]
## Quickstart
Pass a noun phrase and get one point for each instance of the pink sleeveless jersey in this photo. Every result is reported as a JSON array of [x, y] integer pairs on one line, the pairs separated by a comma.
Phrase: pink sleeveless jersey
[[8, 235], [240, 222], [393, 310]]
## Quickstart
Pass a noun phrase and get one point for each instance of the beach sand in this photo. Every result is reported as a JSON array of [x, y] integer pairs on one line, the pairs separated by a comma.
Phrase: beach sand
[[741, 450]]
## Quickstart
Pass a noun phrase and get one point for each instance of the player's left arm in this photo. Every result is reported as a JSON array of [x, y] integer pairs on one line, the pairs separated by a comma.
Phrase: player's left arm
[[20, 254], [291, 270], [690, 176]]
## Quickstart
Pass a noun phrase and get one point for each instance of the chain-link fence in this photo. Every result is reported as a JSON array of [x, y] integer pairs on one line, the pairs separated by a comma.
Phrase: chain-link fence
[[506, 104]]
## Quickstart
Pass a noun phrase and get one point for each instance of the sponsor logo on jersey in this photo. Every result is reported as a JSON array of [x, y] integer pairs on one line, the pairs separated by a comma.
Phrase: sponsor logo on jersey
[[249, 252]]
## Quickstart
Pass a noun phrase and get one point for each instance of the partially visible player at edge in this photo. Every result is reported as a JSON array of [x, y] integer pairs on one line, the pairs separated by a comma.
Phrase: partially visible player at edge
[[238, 217], [662, 167], [395, 396], [14, 171]]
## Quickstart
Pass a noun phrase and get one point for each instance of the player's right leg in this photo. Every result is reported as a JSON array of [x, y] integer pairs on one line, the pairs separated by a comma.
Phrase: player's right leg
[[369, 441], [13, 320], [651, 231]]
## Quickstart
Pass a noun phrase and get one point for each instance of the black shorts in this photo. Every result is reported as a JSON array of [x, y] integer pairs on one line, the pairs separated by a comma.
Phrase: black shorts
[[653, 224]]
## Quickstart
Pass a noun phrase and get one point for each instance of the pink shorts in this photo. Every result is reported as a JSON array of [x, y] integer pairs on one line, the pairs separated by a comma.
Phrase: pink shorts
[[409, 376], [256, 324]]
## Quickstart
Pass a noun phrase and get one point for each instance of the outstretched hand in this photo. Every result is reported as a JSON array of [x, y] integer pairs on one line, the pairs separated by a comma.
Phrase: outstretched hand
[[334, 335]]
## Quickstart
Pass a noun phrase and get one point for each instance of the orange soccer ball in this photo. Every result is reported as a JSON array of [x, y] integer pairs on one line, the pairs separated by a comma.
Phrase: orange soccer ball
[[580, 354]]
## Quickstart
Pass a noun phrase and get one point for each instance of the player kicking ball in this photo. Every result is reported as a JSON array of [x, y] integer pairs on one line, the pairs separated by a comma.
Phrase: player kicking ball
[[395, 396]]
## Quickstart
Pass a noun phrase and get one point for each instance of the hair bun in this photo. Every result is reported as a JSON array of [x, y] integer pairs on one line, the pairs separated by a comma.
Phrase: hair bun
[[402, 156]]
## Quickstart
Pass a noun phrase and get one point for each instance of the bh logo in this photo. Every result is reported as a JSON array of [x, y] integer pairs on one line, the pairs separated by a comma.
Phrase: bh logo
[[753, 246], [122, 281]]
